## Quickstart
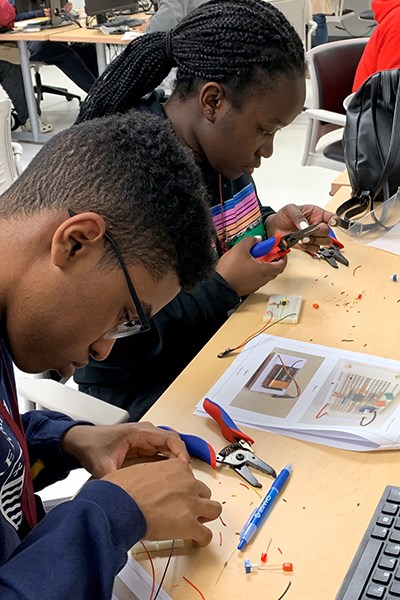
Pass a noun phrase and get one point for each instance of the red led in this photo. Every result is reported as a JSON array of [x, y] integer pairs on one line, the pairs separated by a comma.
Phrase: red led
[[264, 557], [288, 567]]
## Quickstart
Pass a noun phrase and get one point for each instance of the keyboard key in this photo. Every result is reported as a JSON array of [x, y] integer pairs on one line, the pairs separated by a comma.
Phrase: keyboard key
[[395, 589], [386, 521], [389, 508], [394, 495], [392, 549], [397, 574], [380, 533], [381, 576], [397, 523], [375, 591], [387, 563], [395, 536]]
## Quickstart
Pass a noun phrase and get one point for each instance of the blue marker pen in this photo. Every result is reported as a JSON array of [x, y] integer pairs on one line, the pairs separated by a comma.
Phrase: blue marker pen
[[258, 516]]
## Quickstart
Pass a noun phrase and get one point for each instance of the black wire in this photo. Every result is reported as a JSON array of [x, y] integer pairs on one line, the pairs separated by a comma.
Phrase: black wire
[[165, 570], [286, 591]]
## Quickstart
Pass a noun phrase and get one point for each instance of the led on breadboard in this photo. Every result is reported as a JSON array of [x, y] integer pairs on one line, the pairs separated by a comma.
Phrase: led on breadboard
[[281, 306]]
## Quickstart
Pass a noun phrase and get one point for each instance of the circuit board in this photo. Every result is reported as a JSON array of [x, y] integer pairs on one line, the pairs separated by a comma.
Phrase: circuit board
[[281, 306]]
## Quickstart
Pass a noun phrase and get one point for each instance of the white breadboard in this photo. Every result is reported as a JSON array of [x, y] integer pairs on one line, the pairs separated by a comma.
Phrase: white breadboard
[[280, 305]]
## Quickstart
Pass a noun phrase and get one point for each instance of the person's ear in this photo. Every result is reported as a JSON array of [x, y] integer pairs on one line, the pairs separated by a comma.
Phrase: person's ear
[[211, 99], [79, 236]]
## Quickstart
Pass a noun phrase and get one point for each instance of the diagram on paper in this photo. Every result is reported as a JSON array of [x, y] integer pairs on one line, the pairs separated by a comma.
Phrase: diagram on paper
[[274, 388], [357, 392]]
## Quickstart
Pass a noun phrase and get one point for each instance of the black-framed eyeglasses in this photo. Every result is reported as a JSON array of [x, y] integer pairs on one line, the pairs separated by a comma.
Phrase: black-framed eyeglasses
[[129, 326]]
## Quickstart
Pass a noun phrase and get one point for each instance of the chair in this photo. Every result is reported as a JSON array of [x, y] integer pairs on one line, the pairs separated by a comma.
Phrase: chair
[[10, 152], [48, 394], [41, 89], [332, 68], [340, 15]]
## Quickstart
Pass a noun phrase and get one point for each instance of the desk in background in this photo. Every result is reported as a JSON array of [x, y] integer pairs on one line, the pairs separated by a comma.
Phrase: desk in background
[[22, 38], [71, 33], [94, 36], [332, 493], [341, 180]]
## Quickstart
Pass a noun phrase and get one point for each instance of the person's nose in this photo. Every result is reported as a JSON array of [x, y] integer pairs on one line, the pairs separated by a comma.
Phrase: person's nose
[[101, 348], [266, 150]]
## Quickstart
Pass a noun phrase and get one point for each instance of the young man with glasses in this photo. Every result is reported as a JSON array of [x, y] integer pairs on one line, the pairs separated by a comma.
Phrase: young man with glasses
[[89, 254]]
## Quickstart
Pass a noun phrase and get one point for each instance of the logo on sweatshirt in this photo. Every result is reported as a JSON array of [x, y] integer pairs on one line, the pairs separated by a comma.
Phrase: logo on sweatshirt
[[11, 475]]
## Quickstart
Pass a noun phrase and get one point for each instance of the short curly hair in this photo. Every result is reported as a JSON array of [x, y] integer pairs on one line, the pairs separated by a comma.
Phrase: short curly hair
[[132, 170]]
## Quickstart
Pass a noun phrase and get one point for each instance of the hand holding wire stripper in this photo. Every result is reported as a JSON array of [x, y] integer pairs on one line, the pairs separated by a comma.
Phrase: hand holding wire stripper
[[279, 245], [238, 455]]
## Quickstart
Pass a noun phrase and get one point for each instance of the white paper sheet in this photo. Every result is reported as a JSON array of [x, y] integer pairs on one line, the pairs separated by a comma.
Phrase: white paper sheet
[[389, 241], [138, 581], [334, 397]]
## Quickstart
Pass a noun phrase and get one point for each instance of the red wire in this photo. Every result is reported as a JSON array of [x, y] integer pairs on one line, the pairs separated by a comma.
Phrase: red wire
[[193, 586], [292, 378], [153, 573], [256, 333]]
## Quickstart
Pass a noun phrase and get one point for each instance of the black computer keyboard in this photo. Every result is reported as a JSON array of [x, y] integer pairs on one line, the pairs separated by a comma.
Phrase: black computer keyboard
[[51, 26], [374, 573], [130, 22]]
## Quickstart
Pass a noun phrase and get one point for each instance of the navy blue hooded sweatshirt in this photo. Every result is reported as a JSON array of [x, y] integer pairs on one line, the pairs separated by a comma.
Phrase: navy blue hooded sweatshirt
[[76, 550]]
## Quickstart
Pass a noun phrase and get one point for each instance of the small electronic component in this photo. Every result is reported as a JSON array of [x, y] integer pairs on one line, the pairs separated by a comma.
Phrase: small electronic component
[[280, 306], [154, 546], [250, 567]]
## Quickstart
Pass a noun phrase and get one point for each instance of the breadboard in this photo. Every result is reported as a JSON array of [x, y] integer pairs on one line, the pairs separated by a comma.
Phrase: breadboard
[[280, 305]]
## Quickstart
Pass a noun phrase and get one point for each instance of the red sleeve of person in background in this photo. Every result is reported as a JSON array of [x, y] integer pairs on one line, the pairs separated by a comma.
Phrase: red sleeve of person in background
[[382, 51], [7, 14]]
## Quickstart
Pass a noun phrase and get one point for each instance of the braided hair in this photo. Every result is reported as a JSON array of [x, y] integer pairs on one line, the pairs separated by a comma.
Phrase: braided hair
[[232, 42]]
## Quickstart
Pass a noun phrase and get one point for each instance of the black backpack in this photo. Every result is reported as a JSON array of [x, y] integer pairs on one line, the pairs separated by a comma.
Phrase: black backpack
[[371, 142]]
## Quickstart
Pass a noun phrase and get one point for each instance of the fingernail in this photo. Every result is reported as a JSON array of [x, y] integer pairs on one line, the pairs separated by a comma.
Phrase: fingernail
[[303, 225], [306, 240], [258, 238], [332, 223]]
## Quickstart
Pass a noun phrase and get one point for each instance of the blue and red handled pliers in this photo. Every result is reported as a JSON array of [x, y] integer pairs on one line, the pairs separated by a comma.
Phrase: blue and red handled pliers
[[238, 455], [332, 253], [278, 245]]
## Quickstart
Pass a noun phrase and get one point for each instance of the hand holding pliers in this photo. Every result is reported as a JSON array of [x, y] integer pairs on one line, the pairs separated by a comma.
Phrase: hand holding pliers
[[238, 455], [279, 245]]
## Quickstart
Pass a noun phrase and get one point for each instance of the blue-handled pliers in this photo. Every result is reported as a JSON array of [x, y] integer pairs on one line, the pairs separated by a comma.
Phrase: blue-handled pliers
[[238, 455], [279, 245], [332, 253]]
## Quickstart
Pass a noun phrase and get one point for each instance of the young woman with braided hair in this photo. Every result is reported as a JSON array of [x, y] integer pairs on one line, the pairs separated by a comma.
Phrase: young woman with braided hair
[[240, 78]]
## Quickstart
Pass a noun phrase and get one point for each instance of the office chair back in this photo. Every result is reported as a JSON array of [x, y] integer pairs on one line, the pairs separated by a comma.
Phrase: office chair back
[[10, 152], [332, 68]]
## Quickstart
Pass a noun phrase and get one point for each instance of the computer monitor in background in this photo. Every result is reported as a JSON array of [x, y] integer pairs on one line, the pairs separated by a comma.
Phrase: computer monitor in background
[[24, 6], [55, 12], [100, 8]]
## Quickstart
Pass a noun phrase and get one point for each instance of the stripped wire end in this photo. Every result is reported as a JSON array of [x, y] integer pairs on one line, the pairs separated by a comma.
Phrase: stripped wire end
[[225, 352]]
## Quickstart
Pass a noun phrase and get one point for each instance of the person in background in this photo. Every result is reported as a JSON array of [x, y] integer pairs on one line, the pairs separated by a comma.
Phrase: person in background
[[68, 9], [169, 13], [83, 264], [240, 79], [382, 51], [320, 9], [11, 75], [77, 61]]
